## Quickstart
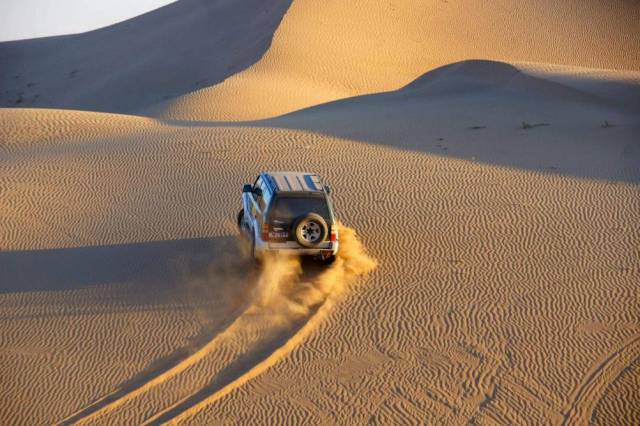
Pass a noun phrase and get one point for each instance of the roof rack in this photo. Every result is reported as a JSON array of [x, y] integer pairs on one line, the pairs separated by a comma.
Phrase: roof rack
[[294, 181]]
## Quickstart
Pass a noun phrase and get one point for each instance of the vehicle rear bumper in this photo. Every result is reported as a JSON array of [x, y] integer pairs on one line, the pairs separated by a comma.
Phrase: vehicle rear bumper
[[290, 247]]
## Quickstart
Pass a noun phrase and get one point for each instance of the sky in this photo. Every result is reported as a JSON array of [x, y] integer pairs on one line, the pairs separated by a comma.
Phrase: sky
[[22, 19]]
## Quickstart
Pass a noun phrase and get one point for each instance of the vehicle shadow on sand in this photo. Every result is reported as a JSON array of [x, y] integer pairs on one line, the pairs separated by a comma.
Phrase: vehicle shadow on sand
[[153, 263]]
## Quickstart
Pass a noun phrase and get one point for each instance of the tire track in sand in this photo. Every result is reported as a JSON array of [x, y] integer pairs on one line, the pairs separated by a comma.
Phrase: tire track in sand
[[142, 384], [314, 299], [231, 379], [284, 310], [589, 393]]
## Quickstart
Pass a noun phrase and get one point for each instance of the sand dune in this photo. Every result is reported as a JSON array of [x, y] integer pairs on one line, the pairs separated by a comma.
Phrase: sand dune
[[498, 196], [322, 52], [477, 110], [168, 52]]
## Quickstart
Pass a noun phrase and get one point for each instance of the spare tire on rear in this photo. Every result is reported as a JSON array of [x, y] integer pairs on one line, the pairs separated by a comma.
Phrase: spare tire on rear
[[310, 230]]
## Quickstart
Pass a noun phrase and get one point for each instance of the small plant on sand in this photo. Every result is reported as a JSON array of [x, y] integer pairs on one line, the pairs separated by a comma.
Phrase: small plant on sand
[[526, 126]]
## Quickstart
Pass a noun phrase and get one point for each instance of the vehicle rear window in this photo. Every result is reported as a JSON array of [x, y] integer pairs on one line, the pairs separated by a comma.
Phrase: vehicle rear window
[[289, 208]]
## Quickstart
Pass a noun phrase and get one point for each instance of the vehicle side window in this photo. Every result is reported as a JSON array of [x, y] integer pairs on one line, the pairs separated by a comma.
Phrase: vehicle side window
[[266, 196], [260, 199], [258, 183]]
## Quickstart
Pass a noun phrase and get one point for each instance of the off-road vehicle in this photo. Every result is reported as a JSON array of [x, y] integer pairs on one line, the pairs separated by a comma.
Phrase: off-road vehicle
[[289, 212]]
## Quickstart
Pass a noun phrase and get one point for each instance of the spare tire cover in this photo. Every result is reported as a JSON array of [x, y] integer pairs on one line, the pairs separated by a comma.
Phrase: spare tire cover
[[310, 230]]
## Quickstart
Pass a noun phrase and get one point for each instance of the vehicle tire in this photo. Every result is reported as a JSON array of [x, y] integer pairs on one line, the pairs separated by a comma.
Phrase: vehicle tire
[[239, 219], [253, 248], [310, 230], [328, 260]]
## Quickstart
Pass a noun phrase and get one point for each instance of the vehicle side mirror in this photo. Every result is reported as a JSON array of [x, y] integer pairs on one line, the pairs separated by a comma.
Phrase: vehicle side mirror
[[328, 189], [247, 187], [258, 192]]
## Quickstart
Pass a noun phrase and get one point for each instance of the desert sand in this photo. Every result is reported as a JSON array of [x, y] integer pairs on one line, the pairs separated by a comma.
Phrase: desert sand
[[485, 162]]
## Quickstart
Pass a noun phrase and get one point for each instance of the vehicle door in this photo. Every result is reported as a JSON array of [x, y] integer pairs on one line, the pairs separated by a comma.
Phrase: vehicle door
[[251, 202]]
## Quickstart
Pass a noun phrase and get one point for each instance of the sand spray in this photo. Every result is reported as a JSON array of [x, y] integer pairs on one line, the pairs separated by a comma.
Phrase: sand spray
[[282, 289]]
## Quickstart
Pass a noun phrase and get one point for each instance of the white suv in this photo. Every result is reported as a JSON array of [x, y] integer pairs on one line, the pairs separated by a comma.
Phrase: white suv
[[289, 212]]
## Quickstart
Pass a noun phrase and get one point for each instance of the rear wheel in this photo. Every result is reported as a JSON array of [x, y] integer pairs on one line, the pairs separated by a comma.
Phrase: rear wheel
[[253, 249], [240, 218], [328, 260]]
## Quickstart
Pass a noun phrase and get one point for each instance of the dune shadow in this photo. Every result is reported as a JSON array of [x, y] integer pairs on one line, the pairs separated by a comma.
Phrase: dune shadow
[[441, 111], [489, 112], [157, 263], [177, 49]]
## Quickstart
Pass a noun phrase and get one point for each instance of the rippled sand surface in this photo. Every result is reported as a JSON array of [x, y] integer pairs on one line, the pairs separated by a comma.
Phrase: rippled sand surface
[[490, 245]]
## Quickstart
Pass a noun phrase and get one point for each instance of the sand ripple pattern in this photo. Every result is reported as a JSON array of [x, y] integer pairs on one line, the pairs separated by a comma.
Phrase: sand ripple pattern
[[502, 294]]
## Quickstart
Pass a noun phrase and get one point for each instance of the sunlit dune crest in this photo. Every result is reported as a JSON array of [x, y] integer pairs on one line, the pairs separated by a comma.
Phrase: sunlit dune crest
[[334, 49]]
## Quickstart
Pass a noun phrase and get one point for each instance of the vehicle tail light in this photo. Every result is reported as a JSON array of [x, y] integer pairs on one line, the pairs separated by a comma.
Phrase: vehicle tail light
[[334, 233], [265, 232]]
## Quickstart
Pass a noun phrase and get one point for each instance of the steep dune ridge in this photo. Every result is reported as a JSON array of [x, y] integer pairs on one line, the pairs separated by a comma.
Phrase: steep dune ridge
[[334, 49], [167, 52], [619, 86]]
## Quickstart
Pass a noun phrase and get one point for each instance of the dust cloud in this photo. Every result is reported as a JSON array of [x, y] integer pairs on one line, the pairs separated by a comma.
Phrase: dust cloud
[[285, 291]]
